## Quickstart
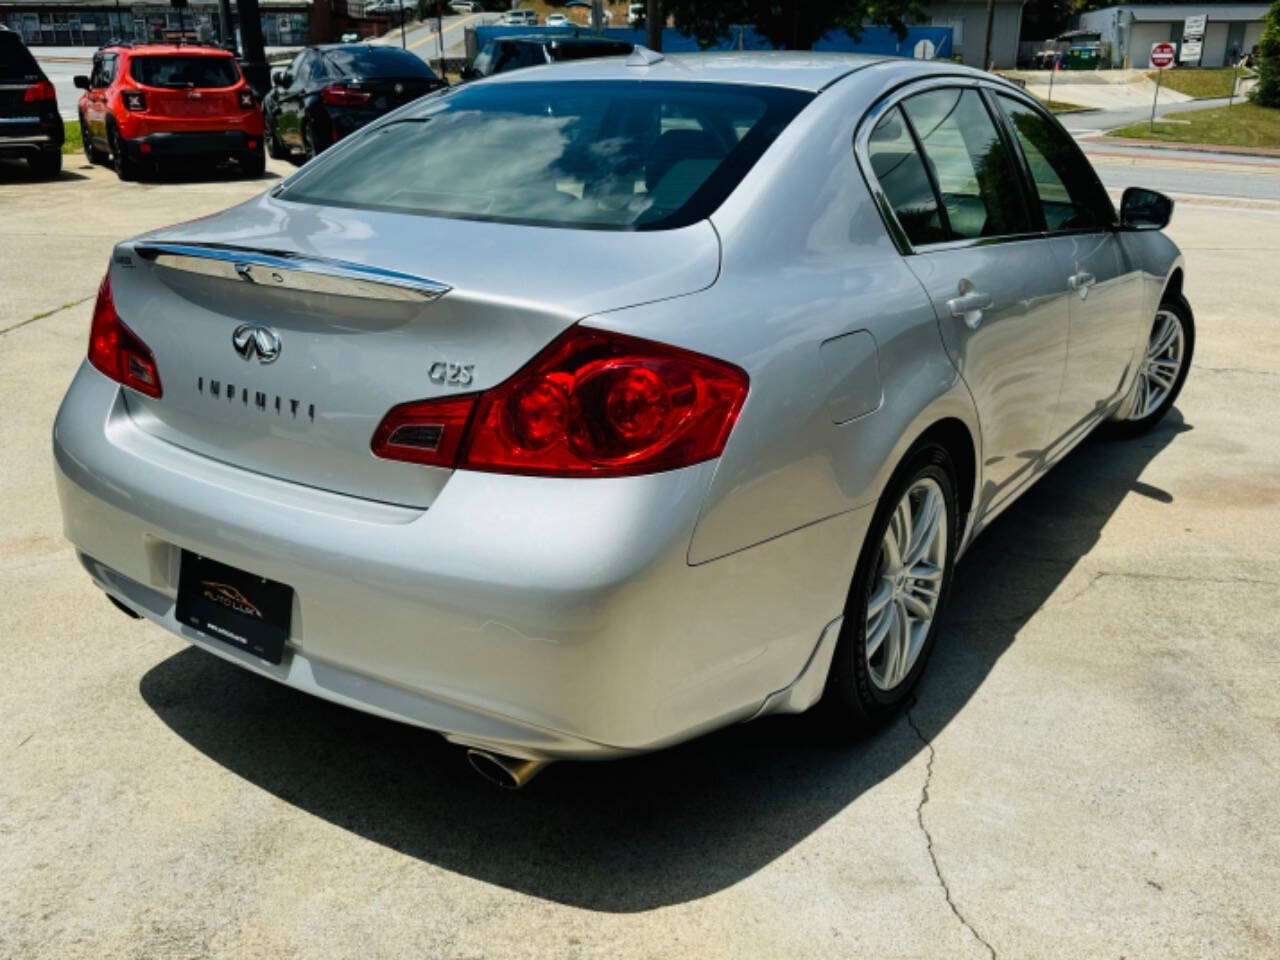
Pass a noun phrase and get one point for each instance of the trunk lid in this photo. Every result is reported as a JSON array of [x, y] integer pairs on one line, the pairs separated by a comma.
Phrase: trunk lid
[[348, 294]]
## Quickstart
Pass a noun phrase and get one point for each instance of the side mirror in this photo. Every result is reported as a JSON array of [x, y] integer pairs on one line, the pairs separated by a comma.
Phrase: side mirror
[[1142, 209], [281, 78], [81, 81], [468, 73]]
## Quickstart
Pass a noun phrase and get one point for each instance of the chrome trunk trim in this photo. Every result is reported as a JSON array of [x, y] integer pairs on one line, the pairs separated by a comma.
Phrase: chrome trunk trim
[[293, 272]]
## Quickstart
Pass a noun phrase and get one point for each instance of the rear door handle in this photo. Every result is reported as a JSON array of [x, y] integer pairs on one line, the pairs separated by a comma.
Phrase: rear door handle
[[969, 305], [1081, 281]]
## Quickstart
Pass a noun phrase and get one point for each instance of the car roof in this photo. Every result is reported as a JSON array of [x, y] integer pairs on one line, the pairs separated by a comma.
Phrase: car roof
[[800, 70], [374, 48], [168, 49], [546, 39]]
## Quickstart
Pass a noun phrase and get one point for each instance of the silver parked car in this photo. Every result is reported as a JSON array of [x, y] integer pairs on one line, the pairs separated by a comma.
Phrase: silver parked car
[[676, 408]]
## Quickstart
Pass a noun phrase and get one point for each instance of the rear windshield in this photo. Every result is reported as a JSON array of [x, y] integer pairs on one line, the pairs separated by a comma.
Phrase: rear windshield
[[186, 71], [378, 62], [614, 155], [16, 62]]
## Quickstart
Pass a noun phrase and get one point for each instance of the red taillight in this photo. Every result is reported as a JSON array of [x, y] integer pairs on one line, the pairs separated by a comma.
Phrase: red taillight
[[117, 351], [593, 404], [134, 100], [39, 91], [246, 99], [428, 431], [338, 95]]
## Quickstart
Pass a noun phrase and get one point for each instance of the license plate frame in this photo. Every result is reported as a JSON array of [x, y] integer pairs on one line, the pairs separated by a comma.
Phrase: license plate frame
[[241, 609]]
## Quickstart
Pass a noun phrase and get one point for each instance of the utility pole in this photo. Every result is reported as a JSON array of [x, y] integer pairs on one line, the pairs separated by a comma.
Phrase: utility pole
[[986, 43], [255, 56], [224, 25], [654, 22], [403, 45]]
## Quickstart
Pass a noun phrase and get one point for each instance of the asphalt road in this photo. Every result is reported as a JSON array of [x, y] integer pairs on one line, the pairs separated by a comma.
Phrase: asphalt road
[[1090, 771]]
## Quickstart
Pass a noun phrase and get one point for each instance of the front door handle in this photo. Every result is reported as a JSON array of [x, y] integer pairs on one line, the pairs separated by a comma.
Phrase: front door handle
[[1081, 281], [968, 306]]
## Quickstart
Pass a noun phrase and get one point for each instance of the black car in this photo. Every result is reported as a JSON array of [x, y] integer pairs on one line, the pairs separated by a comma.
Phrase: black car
[[30, 126], [332, 90], [515, 53]]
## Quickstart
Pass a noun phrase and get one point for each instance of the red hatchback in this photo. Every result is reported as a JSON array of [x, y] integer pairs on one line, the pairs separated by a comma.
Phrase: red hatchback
[[145, 103]]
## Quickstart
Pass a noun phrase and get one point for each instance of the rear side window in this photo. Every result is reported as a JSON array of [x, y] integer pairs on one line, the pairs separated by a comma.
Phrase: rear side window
[[1069, 193], [185, 71], [901, 174], [378, 62], [974, 173], [16, 62], [559, 154]]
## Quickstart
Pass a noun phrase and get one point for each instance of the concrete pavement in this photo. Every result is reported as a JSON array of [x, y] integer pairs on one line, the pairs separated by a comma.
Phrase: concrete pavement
[[1091, 769]]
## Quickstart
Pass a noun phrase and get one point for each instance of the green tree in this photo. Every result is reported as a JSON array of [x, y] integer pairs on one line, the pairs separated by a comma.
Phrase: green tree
[[1267, 91], [787, 24]]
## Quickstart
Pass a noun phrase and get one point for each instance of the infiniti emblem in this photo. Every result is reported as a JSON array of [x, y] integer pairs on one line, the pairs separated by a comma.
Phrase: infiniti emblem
[[250, 338]]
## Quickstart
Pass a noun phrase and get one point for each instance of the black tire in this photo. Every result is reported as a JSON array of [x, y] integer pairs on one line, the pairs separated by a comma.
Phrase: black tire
[[311, 145], [1132, 426], [253, 165], [271, 140], [46, 163], [126, 169], [853, 700], [91, 153]]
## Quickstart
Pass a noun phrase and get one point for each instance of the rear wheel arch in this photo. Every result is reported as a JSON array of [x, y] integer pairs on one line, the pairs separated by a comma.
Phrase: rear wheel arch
[[953, 435]]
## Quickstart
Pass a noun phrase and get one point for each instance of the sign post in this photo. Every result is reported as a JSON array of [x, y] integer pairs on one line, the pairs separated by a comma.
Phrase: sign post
[[1162, 55]]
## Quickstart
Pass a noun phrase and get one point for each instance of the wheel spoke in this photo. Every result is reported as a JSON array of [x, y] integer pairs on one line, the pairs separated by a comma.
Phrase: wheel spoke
[[926, 530], [876, 633], [882, 595], [902, 646]]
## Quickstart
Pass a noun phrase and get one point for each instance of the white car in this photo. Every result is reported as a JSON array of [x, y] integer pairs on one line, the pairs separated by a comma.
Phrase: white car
[[635, 13], [557, 20], [465, 6], [520, 18]]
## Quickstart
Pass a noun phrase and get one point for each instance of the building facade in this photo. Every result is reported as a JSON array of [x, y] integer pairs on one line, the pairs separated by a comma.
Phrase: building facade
[[968, 23], [1231, 30]]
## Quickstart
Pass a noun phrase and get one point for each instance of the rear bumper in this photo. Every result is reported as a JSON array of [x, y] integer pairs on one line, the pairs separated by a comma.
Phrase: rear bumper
[[215, 143], [545, 618], [22, 136]]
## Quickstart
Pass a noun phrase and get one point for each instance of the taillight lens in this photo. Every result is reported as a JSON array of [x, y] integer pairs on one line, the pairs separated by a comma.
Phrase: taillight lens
[[593, 403], [134, 100], [339, 95], [427, 431], [117, 351], [39, 91], [246, 99]]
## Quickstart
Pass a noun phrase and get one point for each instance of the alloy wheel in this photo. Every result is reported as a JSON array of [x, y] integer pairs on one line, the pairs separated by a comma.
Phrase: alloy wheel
[[903, 597], [1161, 365]]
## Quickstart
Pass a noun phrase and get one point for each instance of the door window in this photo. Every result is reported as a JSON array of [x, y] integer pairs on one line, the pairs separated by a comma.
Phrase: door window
[[973, 170], [901, 174], [1070, 196]]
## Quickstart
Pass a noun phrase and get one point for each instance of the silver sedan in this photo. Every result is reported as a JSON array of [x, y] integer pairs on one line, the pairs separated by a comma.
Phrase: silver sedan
[[578, 411]]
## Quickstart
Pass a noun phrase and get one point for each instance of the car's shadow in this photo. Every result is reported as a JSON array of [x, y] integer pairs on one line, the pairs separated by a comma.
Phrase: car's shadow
[[17, 170], [665, 828]]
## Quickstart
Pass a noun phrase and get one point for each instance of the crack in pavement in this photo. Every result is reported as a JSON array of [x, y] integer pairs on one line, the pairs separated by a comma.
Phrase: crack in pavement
[[47, 313], [928, 837], [1257, 373], [1123, 574]]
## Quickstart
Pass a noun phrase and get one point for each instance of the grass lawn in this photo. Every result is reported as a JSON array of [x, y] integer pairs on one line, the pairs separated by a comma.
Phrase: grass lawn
[[1199, 82], [1243, 125], [72, 144]]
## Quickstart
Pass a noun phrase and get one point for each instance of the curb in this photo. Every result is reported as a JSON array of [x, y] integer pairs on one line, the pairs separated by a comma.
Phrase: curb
[[1198, 147]]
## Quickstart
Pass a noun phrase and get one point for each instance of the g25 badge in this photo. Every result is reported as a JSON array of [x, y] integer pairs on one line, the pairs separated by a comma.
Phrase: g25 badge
[[452, 374]]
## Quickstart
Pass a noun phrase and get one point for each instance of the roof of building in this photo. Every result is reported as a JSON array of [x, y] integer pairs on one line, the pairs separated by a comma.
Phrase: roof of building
[[1180, 11]]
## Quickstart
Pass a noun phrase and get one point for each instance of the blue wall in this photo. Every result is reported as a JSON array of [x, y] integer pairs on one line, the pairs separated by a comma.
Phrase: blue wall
[[876, 40]]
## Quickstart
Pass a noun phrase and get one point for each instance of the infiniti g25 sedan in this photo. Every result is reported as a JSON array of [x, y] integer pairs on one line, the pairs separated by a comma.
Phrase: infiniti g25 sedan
[[580, 410]]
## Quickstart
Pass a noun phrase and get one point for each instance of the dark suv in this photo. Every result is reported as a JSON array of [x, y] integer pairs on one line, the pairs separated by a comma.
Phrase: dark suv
[[30, 126], [333, 90], [515, 53], [148, 102]]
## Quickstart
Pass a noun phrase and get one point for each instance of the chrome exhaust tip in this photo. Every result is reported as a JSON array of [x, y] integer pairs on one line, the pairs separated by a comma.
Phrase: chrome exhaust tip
[[510, 773]]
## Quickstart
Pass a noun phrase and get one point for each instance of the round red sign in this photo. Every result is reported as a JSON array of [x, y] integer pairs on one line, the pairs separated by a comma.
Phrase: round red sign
[[1162, 55]]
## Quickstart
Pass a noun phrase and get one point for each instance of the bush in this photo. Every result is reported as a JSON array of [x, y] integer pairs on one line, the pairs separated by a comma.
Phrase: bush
[[1267, 92]]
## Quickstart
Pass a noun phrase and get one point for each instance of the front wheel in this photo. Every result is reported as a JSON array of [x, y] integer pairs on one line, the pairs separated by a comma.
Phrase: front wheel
[[1162, 371], [898, 594]]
